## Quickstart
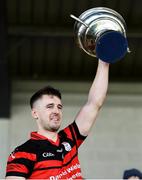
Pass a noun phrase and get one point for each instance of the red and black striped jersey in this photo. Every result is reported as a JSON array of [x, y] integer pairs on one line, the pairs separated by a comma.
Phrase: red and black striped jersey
[[41, 158]]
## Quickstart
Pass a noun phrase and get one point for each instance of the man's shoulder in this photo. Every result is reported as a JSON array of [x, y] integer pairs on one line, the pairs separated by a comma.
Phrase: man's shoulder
[[63, 130], [66, 131], [24, 152], [28, 146]]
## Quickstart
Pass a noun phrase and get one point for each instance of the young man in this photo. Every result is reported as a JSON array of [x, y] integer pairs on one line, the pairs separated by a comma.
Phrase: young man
[[50, 154]]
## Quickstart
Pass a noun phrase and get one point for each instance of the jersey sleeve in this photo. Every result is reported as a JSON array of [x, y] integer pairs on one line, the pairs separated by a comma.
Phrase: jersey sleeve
[[20, 163], [72, 132]]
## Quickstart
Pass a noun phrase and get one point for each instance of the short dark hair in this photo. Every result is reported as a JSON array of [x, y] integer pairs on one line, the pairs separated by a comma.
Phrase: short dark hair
[[132, 172], [48, 90]]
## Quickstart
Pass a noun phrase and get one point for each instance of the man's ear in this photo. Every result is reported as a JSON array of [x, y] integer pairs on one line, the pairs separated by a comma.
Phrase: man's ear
[[34, 113]]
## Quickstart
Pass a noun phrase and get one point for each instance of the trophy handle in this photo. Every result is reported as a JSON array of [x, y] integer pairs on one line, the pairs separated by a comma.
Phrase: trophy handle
[[79, 20]]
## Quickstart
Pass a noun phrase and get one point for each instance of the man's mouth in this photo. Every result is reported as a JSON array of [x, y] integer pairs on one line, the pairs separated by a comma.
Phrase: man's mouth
[[54, 118]]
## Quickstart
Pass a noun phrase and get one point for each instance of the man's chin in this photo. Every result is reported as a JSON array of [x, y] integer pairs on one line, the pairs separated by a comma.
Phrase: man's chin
[[55, 129], [52, 128]]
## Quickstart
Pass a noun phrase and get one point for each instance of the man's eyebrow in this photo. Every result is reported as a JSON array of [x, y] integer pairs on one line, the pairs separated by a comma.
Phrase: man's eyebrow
[[49, 104]]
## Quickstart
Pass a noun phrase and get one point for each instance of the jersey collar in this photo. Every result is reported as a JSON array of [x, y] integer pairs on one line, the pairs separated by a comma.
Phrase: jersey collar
[[37, 136]]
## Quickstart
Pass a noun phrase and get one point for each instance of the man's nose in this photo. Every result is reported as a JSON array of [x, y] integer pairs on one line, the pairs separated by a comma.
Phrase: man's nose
[[56, 109]]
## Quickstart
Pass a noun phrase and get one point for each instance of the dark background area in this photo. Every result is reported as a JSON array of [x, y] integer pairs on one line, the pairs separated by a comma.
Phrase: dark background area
[[42, 45], [37, 43]]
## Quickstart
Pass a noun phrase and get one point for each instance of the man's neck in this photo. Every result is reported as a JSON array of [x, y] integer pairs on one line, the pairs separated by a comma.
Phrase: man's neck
[[49, 134]]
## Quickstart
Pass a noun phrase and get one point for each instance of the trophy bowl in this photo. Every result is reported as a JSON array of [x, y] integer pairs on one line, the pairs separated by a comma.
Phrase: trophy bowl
[[101, 33]]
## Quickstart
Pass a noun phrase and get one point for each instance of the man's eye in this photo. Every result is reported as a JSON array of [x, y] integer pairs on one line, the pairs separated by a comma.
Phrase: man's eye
[[49, 106], [60, 107]]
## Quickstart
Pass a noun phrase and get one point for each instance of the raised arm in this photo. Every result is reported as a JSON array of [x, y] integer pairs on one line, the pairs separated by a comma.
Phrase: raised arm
[[88, 113]]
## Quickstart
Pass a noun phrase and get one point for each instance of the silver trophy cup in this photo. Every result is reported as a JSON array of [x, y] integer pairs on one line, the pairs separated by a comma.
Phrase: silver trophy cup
[[101, 33]]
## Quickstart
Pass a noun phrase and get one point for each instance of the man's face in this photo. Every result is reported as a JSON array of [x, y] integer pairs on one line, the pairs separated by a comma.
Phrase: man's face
[[48, 112]]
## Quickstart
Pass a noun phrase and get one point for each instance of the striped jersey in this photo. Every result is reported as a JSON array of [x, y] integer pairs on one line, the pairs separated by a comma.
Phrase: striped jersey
[[41, 158]]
